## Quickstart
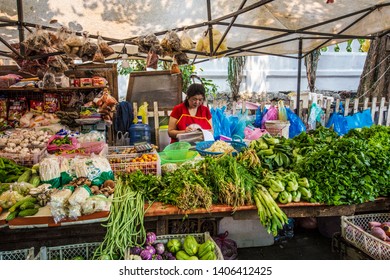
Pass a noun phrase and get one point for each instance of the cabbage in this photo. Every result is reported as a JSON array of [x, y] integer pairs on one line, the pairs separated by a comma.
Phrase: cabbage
[[135, 250], [157, 257], [160, 248], [146, 255], [150, 238], [151, 249]]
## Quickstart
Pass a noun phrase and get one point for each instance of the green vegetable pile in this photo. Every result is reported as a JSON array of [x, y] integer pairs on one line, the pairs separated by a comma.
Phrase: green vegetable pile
[[351, 169]]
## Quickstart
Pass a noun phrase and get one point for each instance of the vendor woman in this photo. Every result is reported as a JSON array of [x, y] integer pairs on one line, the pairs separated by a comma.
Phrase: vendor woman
[[191, 114]]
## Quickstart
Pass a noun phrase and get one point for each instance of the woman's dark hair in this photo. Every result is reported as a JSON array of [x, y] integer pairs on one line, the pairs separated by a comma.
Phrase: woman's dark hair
[[195, 89]]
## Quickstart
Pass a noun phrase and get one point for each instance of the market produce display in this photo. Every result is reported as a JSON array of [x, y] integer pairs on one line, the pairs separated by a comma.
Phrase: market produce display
[[315, 166]]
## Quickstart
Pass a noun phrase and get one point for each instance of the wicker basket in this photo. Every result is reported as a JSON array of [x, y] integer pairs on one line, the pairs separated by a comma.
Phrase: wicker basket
[[354, 230], [202, 146], [22, 254], [69, 252], [200, 237]]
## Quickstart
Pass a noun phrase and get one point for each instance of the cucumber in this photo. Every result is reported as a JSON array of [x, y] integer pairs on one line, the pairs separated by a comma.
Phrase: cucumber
[[28, 212], [27, 205], [20, 202], [35, 180], [25, 177], [11, 216]]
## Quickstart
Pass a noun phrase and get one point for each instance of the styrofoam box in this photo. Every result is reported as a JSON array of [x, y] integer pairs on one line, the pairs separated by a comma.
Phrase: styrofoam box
[[246, 233]]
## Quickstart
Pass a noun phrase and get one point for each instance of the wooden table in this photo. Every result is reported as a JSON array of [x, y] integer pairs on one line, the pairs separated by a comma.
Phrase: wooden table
[[42, 231]]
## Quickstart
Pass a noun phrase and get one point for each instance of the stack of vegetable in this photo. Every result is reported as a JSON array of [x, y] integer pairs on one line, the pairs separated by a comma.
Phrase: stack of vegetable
[[188, 249], [349, 170], [10, 171], [287, 186]]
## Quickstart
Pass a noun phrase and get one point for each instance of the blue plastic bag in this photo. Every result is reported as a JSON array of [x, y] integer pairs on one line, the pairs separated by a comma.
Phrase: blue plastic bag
[[259, 116], [360, 119], [339, 123], [221, 124], [296, 124]]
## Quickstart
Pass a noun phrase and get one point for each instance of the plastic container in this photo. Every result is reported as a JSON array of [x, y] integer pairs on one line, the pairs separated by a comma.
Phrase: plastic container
[[165, 158], [163, 137], [22, 254], [202, 146], [177, 150], [140, 132], [278, 128], [69, 252]]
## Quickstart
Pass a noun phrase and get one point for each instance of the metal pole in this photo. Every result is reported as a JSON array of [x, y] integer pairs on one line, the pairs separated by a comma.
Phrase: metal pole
[[19, 7], [299, 77]]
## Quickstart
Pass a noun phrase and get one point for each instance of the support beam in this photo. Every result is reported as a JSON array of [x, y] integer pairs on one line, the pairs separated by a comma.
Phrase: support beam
[[19, 7], [299, 77]]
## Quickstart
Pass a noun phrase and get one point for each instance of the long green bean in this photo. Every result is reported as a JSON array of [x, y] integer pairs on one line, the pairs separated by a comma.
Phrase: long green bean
[[125, 226]]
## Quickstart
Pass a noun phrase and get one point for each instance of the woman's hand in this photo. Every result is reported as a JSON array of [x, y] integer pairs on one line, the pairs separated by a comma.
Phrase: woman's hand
[[192, 127]]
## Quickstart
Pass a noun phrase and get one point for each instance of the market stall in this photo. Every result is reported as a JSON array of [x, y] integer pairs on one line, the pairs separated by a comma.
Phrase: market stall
[[78, 179]]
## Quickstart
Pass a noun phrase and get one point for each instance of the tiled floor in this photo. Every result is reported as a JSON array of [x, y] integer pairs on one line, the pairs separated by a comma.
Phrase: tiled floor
[[305, 245]]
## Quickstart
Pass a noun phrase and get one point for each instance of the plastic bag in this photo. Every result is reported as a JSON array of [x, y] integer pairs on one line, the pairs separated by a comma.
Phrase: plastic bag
[[152, 60], [50, 172], [221, 124], [252, 133], [271, 115], [58, 203], [96, 203], [186, 42], [105, 49], [315, 116], [238, 124], [360, 119], [171, 43], [282, 113], [228, 246], [49, 79], [143, 112], [296, 124], [95, 168], [339, 123], [259, 116], [98, 56]]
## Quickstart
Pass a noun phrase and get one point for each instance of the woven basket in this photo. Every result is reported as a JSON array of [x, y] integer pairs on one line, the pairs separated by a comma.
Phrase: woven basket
[[354, 230], [202, 146]]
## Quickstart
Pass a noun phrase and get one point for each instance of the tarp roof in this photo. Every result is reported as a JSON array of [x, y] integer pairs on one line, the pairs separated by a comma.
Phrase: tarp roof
[[251, 27]]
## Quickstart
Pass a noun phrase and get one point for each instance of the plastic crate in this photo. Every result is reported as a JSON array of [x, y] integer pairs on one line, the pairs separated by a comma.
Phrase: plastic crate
[[25, 160], [69, 252], [200, 237], [202, 146], [354, 230], [121, 162], [22, 254]]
